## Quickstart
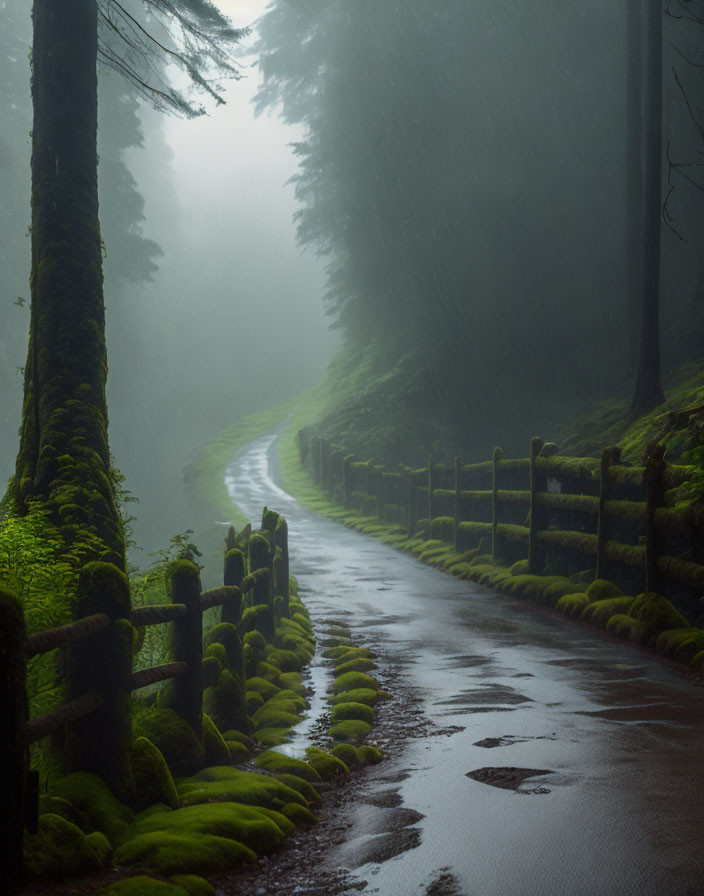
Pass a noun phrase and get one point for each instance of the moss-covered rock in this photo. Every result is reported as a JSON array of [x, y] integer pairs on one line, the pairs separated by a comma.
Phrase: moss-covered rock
[[212, 667], [601, 589], [347, 753], [193, 885], [153, 782], [342, 711], [101, 846], [305, 788], [293, 681], [519, 568], [176, 740], [360, 695], [357, 664], [351, 731], [226, 784], [600, 611], [238, 752], [216, 750], [55, 805], [278, 763], [59, 848], [299, 815], [369, 755], [327, 765], [350, 681], [573, 604], [284, 660], [268, 672], [262, 686], [254, 702], [271, 717], [226, 702], [143, 885], [227, 635], [179, 853], [98, 807], [246, 824]]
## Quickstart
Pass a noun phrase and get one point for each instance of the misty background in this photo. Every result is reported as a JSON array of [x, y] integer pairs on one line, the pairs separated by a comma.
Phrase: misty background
[[459, 182], [212, 310]]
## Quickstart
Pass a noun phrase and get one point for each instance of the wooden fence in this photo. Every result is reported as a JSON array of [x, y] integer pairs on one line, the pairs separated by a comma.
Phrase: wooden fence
[[563, 514], [96, 716]]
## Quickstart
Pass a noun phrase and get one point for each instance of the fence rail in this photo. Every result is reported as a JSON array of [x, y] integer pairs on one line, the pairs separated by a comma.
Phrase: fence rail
[[561, 513], [99, 644]]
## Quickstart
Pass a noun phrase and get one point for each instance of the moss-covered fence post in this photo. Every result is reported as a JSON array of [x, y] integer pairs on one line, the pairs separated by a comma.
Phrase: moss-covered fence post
[[412, 517], [347, 481], [315, 459], [100, 742], [13, 753], [187, 643], [458, 501], [430, 492], [538, 483], [655, 497], [235, 569], [608, 456], [281, 582], [260, 558], [495, 545], [381, 493]]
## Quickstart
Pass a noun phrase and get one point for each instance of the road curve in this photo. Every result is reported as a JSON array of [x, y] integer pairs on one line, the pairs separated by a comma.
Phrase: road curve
[[489, 684]]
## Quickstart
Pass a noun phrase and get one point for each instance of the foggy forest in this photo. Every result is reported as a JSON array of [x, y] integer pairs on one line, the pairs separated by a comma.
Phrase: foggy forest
[[352, 447]]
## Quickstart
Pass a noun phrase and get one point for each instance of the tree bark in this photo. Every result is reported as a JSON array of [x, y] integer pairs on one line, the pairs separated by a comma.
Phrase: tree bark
[[648, 392], [64, 457], [634, 175]]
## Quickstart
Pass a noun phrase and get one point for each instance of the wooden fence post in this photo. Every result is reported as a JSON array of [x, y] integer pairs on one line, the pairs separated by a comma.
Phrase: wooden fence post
[[187, 643], [412, 503], [235, 569], [13, 753], [608, 457], [495, 546], [100, 742], [430, 492], [655, 497], [538, 483], [458, 496], [281, 568]]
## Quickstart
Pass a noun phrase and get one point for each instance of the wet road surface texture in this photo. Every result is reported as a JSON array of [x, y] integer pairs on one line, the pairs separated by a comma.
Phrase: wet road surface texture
[[526, 756]]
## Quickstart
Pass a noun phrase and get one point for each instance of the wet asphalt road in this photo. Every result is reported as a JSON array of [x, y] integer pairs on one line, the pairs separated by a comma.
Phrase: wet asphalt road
[[622, 737]]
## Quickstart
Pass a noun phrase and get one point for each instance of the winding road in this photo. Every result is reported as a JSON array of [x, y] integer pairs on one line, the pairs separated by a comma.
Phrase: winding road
[[483, 682]]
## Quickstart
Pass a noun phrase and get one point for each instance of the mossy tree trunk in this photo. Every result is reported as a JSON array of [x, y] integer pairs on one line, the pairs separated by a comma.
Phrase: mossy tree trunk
[[63, 456], [648, 391]]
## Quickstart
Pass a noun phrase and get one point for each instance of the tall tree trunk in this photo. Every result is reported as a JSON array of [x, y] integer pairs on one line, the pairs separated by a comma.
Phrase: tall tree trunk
[[64, 457], [648, 392], [634, 174]]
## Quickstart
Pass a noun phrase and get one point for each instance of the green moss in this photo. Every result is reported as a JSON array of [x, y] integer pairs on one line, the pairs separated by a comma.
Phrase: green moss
[[193, 885], [274, 718], [226, 784], [347, 754], [624, 626], [443, 528], [246, 824], [292, 681], [359, 664], [553, 592], [305, 788], [573, 604], [268, 672], [327, 765], [342, 711], [55, 805], [262, 686], [226, 702], [153, 782], [238, 752], [228, 637], [657, 614], [212, 667], [600, 611], [59, 848], [520, 568], [283, 660], [278, 763], [142, 885], [350, 681], [369, 755], [684, 644], [98, 807], [367, 696], [600, 589], [173, 737], [217, 651], [216, 750], [101, 846], [299, 815], [180, 853], [273, 737], [239, 737], [351, 731]]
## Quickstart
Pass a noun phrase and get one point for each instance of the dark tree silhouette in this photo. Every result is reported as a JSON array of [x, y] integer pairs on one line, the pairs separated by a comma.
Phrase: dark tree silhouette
[[63, 456], [648, 391]]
